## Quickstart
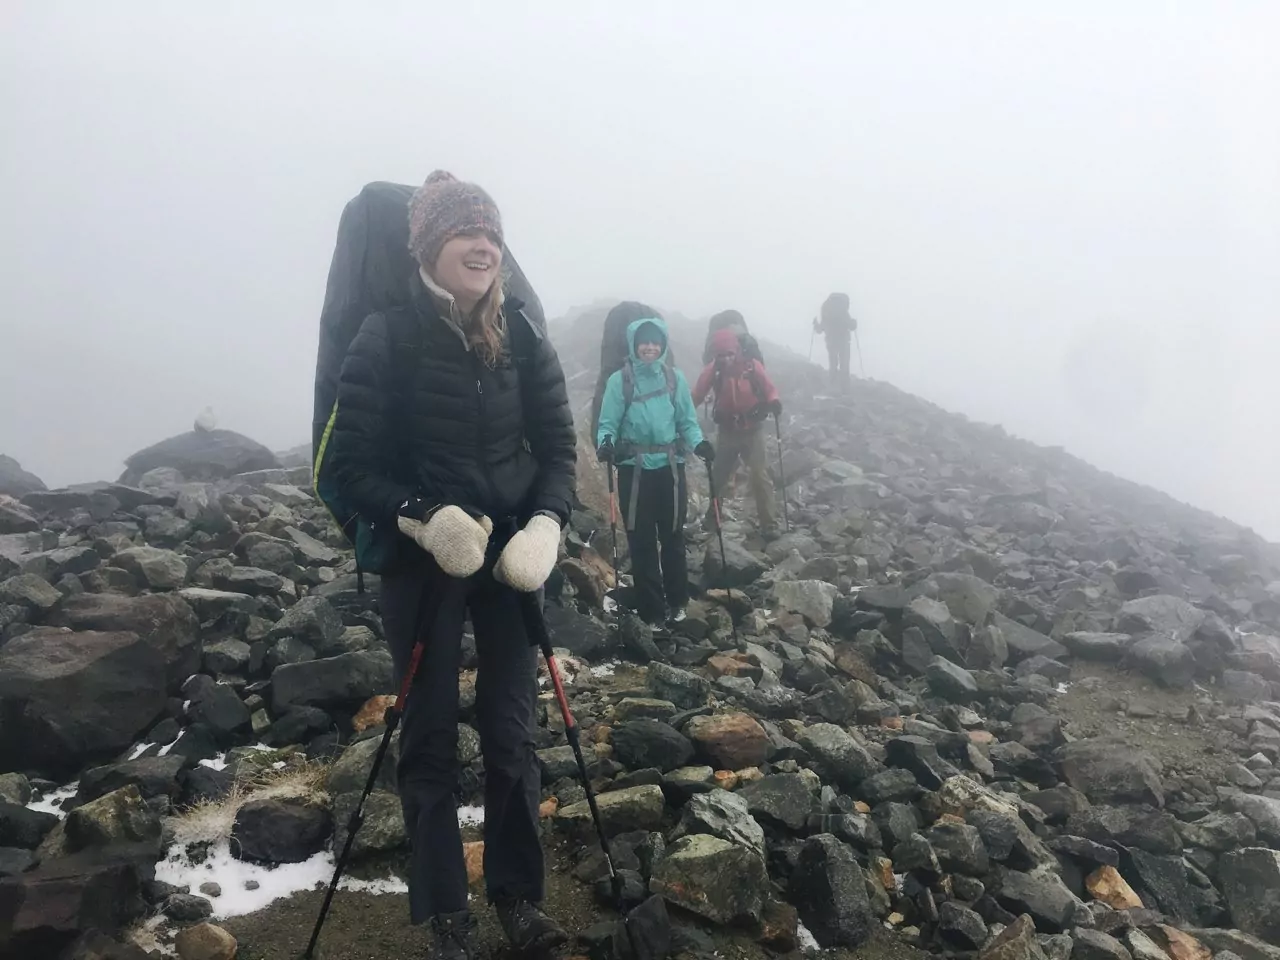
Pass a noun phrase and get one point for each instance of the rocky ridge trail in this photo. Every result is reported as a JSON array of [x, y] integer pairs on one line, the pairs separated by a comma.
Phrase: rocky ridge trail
[[984, 699]]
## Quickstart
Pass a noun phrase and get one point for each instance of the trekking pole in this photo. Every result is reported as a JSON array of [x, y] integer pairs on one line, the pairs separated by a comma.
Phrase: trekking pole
[[858, 343], [613, 524], [392, 719], [724, 561], [777, 427], [535, 625], [813, 332]]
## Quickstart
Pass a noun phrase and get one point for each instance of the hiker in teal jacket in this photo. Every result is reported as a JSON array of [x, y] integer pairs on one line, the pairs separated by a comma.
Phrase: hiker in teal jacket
[[647, 417]]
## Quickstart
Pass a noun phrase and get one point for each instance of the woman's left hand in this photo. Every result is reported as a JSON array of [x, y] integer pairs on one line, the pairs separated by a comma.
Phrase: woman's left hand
[[526, 561]]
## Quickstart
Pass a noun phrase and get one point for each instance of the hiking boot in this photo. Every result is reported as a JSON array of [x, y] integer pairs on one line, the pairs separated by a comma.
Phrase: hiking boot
[[676, 614], [455, 936], [528, 928]]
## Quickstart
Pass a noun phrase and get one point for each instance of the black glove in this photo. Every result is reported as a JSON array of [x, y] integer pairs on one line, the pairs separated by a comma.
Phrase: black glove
[[605, 452], [774, 407], [704, 451], [625, 451]]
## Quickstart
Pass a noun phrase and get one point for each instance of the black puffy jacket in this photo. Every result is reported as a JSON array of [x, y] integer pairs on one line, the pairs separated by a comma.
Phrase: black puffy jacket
[[420, 415]]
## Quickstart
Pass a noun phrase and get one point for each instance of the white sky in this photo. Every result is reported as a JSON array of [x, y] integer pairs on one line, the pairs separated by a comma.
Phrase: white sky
[[1060, 217]]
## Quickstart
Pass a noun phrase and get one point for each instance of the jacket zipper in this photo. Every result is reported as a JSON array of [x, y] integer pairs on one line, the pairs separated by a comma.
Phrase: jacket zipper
[[481, 436]]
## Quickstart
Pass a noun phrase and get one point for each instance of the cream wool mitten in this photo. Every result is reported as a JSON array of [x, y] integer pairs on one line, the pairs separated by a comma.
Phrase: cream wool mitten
[[527, 560], [456, 540]]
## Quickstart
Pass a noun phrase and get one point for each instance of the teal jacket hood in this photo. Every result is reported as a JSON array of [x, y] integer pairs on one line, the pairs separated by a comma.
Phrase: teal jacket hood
[[633, 328]]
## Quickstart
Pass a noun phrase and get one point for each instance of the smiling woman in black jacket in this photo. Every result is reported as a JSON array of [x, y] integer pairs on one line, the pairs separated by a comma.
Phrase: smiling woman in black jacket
[[454, 424]]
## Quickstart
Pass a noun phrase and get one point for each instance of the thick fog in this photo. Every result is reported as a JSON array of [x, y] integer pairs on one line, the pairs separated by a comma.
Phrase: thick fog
[[1067, 223]]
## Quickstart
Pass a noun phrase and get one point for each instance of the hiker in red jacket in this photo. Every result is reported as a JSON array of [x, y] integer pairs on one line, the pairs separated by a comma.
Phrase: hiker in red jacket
[[744, 398]]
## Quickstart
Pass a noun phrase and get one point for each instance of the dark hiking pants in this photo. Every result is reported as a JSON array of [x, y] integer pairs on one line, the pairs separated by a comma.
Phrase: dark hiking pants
[[428, 769], [659, 567], [838, 358]]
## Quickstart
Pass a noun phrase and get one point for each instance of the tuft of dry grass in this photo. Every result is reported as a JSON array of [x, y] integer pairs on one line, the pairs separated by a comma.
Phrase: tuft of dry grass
[[211, 820], [145, 935]]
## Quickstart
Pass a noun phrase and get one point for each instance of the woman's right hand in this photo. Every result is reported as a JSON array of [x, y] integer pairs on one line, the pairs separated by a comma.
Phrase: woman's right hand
[[453, 537]]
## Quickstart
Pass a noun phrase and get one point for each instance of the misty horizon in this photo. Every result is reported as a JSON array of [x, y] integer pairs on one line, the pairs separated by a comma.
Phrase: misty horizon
[[1064, 223]]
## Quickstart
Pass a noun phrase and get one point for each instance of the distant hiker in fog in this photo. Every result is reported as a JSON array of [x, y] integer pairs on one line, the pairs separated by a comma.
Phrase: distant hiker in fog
[[452, 425], [837, 326], [648, 422], [744, 397]]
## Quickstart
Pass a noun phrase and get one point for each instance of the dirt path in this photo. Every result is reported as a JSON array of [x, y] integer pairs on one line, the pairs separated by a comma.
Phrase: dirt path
[[1174, 726]]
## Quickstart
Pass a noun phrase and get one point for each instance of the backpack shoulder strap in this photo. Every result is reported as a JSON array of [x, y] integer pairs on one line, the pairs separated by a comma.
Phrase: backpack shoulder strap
[[525, 335], [628, 382]]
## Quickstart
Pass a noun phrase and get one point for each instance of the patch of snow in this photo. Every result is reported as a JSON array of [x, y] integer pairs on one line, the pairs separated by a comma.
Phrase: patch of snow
[[1062, 688], [137, 751], [52, 803], [186, 705], [602, 670], [385, 885], [610, 604], [216, 763], [262, 747], [274, 883], [808, 941], [278, 765], [164, 751], [231, 875]]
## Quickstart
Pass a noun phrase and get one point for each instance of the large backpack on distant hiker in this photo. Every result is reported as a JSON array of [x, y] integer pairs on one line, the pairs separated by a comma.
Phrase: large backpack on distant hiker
[[731, 318], [615, 350], [371, 272]]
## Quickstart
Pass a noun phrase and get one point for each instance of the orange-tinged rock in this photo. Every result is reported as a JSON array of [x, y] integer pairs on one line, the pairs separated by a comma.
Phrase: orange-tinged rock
[[602, 733], [372, 713], [729, 740], [733, 665], [852, 663], [1181, 946], [204, 941], [590, 581], [1107, 885], [883, 867], [862, 807], [473, 856], [725, 779], [891, 723], [982, 738], [780, 926], [548, 808]]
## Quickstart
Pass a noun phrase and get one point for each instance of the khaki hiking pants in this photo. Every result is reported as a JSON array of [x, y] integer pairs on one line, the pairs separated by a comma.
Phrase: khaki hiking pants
[[745, 445]]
